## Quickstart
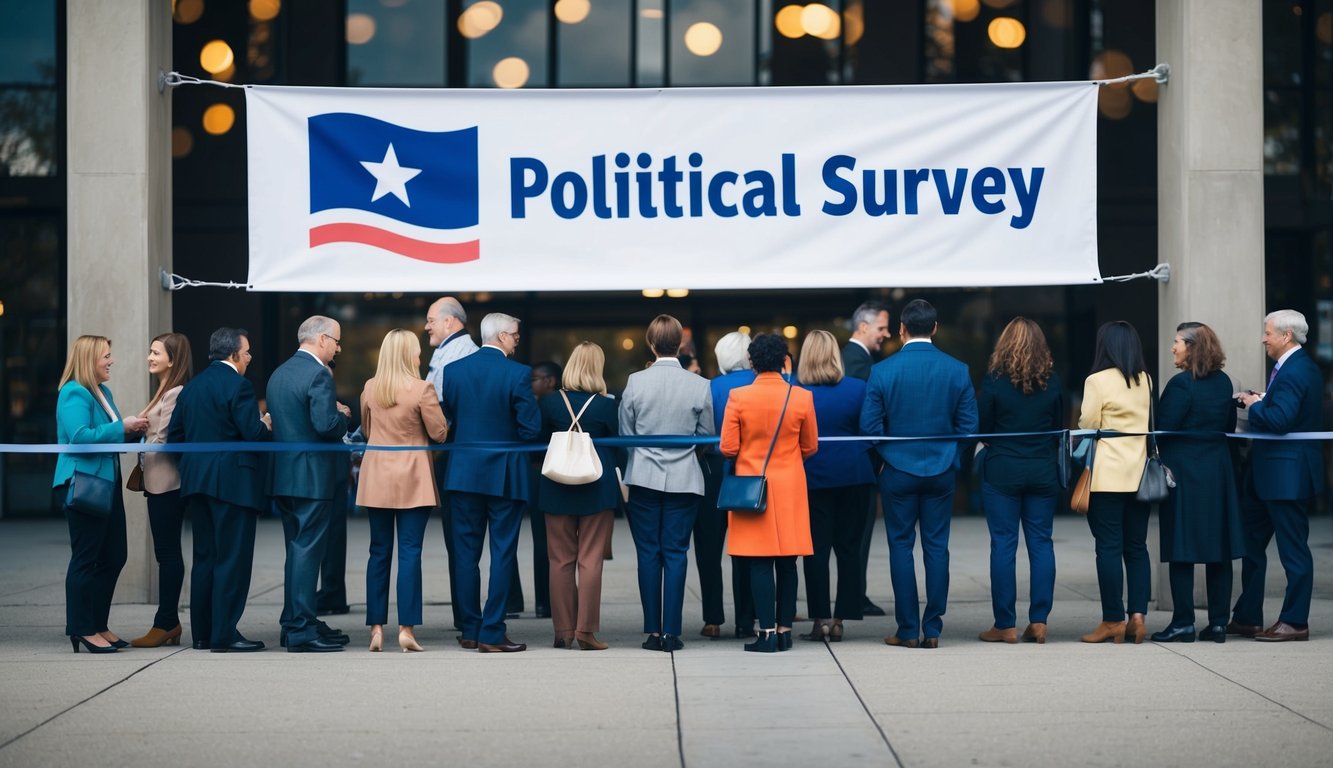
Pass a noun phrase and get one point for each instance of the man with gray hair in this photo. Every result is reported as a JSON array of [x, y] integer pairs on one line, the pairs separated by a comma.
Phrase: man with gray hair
[[1283, 479], [488, 399], [305, 409]]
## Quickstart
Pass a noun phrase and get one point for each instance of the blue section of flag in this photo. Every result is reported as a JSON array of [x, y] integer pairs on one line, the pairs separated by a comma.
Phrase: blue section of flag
[[442, 196]]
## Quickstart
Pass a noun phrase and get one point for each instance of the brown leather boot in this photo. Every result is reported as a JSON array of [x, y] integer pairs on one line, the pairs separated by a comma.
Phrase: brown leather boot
[[1107, 630], [156, 638], [994, 635], [1035, 633], [1136, 629]]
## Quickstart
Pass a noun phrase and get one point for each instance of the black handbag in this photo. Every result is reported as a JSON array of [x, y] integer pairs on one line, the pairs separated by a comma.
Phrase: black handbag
[[749, 493], [90, 494], [1157, 481]]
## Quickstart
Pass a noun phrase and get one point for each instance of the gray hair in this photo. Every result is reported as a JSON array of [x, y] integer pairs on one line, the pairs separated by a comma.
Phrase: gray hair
[[448, 306], [1289, 320], [314, 327], [495, 324], [732, 352], [867, 313]]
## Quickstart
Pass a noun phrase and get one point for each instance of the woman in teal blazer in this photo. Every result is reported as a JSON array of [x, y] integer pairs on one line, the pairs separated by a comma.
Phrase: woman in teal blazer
[[86, 413]]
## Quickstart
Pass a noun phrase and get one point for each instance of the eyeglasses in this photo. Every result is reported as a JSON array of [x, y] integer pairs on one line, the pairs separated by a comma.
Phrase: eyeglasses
[[336, 342], [511, 334]]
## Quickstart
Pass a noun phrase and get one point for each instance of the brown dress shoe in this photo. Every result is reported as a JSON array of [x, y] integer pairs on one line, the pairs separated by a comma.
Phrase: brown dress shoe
[[712, 631], [930, 642], [898, 642], [156, 638], [469, 645], [1243, 630], [1282, 632], [1035, 633], [1107, 630], [994, 635], [1136, 628], [506, 646]]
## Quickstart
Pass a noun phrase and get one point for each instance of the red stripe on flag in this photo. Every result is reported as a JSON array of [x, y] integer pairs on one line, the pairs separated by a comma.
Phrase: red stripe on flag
[[438, 253]]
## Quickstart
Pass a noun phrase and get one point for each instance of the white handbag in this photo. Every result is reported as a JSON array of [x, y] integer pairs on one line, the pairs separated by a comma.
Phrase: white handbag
[[571, 458]]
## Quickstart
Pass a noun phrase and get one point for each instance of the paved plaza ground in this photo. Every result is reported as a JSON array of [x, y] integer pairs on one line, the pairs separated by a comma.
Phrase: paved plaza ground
[[853, 703]]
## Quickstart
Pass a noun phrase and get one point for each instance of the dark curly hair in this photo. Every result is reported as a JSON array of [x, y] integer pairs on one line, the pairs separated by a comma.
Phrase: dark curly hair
[[768, 353]]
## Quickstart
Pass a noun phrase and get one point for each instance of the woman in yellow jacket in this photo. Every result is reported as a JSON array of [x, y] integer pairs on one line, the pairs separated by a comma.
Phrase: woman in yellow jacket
[[1117, 396]]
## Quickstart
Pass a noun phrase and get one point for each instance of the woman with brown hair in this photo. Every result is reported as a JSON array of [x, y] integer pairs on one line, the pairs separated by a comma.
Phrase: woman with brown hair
[[170, 362], [1200, 521], [1020, 484], [86, 413], [397, 488]]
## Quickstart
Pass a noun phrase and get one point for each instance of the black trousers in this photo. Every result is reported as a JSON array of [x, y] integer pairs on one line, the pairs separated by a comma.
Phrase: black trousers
[[97, 555], [332, 594], [1119, 525], [224, 552], [710, 536], [773, 608], [837, 516], [1217, 577], [166, 514]]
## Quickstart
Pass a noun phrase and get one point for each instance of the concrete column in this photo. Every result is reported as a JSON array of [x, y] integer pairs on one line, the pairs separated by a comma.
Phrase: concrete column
[[1210, 177], [119, 214]]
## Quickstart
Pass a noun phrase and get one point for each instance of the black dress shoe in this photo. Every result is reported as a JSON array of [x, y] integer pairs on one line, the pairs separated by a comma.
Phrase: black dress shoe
[[543, 611], [744, 633], [201, 645], [930, 642], [671, 643], [1174, 634], [239, 646], [318, 645], [1215, 632], [653, 643], [505, 646], [470, 645], [338, 611], [870, 609]]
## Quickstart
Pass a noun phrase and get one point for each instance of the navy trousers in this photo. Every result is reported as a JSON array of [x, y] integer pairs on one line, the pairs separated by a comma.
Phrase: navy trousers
[[475, 514], [305, 523], [446, 519], [1119, 525], [224, 551], [97, 555], [411, 525], [1004, 513], [661, 524], [773, 582], [1290, 521], [837, 516], [909, 502], [166, 513], [332, 594]]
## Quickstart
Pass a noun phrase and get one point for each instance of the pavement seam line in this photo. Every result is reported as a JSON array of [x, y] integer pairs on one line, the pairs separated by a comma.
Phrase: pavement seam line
[[884, 736], [90, 698], [1206, 668], [680, 731]]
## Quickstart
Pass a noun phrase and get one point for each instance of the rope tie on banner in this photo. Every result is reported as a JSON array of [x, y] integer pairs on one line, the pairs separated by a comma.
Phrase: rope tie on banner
[[645, 441]]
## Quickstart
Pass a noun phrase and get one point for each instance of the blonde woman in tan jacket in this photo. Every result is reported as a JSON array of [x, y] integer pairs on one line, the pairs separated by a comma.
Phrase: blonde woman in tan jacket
[[1117, 396], [397, 488], [170, 361]]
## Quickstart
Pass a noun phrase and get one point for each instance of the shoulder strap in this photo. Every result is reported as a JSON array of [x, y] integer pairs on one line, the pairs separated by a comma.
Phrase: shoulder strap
[[574, 418], [773, 443]]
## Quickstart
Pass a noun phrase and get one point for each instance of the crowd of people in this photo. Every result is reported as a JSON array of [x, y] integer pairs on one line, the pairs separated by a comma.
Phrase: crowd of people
[[768, 413]]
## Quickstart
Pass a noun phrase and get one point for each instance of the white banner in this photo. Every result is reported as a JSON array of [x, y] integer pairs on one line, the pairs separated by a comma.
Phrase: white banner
[[484, 190]]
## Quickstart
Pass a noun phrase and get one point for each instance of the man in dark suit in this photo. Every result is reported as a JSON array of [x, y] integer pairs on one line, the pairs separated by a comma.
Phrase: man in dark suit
[[305, 409], [224, 490], [918, 391], [1284, 478], [545, 381], [870, 327], [488, 398], [446, 330]]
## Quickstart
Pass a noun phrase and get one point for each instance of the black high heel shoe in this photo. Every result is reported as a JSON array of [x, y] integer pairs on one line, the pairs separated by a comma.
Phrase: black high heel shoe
[[75, 641], [784, 641], [118, 643], [767, 642]]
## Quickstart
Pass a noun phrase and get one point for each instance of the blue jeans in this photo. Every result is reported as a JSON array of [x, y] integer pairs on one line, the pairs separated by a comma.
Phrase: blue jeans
[[661, 523], [910, 501], [1004, 513], [411, 524]]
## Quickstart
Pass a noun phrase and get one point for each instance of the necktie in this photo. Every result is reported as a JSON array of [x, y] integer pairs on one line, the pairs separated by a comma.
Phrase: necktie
[[1272, 376]]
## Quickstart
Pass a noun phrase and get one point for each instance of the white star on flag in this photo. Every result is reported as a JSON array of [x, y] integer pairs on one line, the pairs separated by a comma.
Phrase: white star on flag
[[390, 177]]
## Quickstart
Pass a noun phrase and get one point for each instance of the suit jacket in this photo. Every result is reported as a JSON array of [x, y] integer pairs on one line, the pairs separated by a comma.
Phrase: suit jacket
[[665, 399], [160, 473], [1117, 467], [304, 406], [80, 419], [219, 406], [400, 479], [748, 425], [856, 361], [600, 420], [839, 464], [1022, 464], [1289, 470], [919, 391], [488, 398]]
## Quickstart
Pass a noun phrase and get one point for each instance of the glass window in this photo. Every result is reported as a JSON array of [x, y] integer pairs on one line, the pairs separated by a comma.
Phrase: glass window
[[712, 42], [28, 90], [510, 52], [651, 42], [593, 40], [395, 43]]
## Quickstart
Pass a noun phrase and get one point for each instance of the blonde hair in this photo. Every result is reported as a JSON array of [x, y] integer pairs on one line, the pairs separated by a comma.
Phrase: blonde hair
[[400, 355], [821, 361], [81, 366], [583, 372]]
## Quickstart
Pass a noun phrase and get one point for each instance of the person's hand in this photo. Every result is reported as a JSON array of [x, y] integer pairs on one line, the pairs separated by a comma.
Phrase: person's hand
[[1250, 397], [268, 421], [135, 425], [344, 410]]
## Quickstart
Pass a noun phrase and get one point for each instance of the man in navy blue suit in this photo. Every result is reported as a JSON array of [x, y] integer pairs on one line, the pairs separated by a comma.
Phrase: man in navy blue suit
[[918, 391], [1284, 478], [488, 398], [305, 409], [224, 490]]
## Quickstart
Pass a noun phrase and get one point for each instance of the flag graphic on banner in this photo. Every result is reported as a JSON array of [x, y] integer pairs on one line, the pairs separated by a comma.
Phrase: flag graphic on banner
[[401, 190]]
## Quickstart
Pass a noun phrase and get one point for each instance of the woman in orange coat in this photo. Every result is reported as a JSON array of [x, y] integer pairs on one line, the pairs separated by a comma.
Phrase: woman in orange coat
[[773, 539]]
